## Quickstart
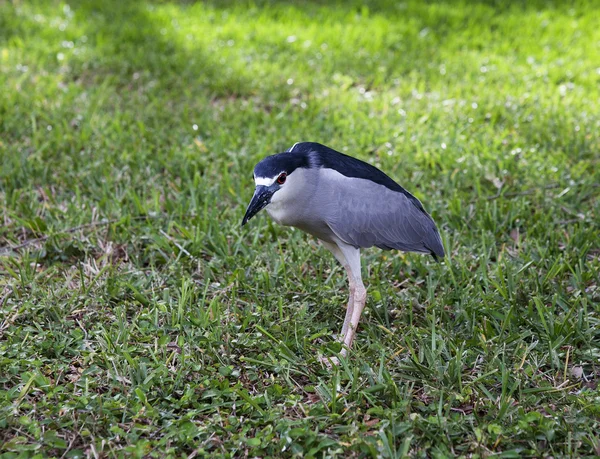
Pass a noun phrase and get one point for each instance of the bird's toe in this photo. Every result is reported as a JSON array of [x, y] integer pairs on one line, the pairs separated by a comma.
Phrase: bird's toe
[[329, 361]]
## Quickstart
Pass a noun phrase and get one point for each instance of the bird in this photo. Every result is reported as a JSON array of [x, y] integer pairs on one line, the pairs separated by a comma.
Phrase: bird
[[348, 205]]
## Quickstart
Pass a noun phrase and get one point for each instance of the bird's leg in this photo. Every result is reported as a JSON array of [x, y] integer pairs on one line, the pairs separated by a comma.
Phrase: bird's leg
[[359, 293], [339, 256], [360, 298], [349, 257]]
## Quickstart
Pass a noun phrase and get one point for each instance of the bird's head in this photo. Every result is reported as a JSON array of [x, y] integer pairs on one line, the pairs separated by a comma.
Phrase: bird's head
[[277, 179]]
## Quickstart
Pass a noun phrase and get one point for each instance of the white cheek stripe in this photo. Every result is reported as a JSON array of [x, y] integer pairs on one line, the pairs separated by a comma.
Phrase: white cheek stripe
[[265, 181]]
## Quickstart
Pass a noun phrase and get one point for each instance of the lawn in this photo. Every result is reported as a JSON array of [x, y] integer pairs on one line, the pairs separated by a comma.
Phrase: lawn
[[137, 317]]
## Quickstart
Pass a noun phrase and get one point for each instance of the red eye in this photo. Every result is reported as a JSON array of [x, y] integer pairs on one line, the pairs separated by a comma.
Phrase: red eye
[[281, 178]]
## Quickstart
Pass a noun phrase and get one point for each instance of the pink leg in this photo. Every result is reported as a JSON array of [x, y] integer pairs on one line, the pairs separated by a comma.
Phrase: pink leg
[[339, 255], [358, 293], [360, 298]]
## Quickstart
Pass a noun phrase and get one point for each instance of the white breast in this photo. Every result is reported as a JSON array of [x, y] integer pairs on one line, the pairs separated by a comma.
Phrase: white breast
[[281, 213]]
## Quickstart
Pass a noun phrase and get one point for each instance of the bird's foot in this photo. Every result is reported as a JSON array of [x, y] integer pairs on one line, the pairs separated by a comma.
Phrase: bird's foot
[[330, 362]]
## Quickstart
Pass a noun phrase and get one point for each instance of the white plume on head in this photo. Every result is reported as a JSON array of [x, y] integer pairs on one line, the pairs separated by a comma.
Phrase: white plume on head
[[265, 181], [293, 146]]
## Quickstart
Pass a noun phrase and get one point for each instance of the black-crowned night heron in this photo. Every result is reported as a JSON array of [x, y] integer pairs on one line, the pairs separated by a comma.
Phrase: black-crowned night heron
[[347, 204]]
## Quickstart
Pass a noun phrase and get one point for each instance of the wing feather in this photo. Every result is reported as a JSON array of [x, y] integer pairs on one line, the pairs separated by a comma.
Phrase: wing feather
[[366, 214]]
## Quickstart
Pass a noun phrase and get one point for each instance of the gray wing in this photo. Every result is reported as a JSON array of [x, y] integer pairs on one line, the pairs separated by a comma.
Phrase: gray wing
[[368, 214]]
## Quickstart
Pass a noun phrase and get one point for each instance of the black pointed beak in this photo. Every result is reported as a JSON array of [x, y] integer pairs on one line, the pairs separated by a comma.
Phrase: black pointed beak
[[262, 197]]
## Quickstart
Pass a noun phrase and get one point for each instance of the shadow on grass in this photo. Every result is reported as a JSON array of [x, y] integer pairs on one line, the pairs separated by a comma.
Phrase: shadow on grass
[[127, 39], [129, 45]]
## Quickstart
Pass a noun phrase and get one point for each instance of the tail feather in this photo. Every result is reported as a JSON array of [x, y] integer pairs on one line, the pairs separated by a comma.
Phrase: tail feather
[[434, 244]]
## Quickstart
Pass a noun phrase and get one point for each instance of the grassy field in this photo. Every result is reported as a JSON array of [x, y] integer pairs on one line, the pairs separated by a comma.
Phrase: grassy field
[[137, 318]]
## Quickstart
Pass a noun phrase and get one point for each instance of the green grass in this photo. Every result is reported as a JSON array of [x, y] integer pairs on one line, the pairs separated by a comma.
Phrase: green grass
[[137, 318]]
